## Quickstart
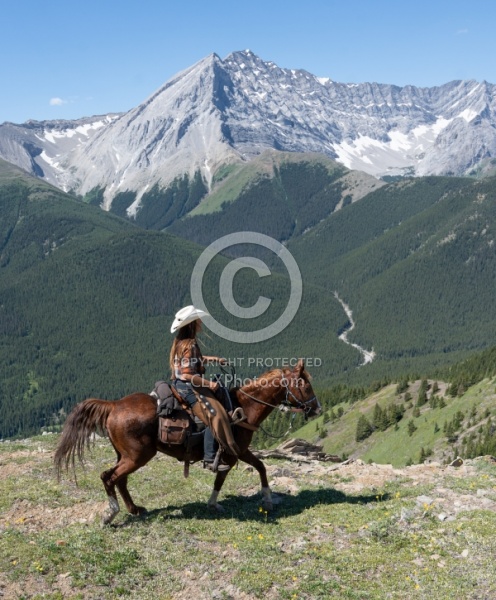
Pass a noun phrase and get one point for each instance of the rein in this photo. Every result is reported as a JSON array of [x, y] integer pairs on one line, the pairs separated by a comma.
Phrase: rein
[[286, 405]]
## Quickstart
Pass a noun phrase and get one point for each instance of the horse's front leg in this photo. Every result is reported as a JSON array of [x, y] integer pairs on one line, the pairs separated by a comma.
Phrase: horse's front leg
[[267, 499], [212, 503]]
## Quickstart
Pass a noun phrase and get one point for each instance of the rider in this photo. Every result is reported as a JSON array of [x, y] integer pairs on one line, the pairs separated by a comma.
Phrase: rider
[[188, 368]]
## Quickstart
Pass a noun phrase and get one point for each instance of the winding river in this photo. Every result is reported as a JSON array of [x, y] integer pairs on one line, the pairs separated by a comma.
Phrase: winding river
[[367, 355]]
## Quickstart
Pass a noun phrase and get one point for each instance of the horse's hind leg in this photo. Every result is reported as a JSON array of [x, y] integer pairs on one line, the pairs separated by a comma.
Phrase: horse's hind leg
[[126, 496], [113, 508], [117, 476]]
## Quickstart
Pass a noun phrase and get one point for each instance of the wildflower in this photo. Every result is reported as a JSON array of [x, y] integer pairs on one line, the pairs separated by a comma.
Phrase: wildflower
[[260, 536], [397, 495], [38, 567], [249, 537]]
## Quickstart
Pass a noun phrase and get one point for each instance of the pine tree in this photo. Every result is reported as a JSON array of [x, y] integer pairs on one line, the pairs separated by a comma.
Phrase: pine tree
[[402, 386], [363, 429], [378, 418], [422, 395]]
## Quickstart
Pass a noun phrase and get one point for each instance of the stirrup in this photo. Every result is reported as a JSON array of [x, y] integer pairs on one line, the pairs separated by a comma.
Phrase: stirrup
[[216, 465], [211, 466], [238, 415]]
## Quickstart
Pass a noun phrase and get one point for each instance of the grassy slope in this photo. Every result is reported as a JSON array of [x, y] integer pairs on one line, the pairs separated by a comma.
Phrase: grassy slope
[[323, 541], [397, 447], [233, 179]]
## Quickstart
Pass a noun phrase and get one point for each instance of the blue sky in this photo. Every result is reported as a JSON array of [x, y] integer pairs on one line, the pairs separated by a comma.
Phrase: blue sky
[[62, 59]]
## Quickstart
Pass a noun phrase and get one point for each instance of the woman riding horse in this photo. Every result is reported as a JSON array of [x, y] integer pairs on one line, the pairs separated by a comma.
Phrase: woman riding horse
[[132, 427], [188, 369]]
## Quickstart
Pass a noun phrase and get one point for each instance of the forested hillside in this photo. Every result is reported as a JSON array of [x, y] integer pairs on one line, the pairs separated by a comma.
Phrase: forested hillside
[[87, 297], [87, 300], [278, 194], [416, 262]]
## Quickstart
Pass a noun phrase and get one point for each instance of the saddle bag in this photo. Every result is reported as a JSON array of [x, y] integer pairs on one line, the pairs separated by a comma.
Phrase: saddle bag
[[175, 428]]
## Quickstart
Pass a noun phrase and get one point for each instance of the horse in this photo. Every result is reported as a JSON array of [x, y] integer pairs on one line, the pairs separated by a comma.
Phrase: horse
[[131, 424]]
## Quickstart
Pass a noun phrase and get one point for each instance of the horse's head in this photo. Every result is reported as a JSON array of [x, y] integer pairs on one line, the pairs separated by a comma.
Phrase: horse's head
[[299, 391]]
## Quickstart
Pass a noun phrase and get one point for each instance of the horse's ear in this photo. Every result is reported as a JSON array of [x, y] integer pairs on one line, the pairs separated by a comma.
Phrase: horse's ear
[[300, 367]]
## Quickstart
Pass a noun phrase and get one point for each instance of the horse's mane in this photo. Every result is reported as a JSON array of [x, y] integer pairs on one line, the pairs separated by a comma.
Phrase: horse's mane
[[285, 372], [261, 380]]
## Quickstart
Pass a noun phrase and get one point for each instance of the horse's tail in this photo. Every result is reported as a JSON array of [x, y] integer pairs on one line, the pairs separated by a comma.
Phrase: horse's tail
[[86, 418]]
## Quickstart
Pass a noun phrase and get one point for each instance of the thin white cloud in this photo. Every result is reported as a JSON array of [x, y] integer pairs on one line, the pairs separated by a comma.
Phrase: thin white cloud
[[462, 32], [57, 101]]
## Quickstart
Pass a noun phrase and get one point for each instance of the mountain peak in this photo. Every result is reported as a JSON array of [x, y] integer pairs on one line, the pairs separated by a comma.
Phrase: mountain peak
[[220, 111]]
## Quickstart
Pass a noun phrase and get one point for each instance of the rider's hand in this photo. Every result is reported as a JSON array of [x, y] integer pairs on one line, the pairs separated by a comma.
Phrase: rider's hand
[[222, 361], [214, 386]]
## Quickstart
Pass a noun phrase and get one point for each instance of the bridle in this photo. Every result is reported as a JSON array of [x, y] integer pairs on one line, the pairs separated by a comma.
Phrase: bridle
[[299, 405]]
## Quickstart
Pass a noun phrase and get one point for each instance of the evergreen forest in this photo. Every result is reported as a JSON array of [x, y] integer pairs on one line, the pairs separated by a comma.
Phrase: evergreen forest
[[87, 297]]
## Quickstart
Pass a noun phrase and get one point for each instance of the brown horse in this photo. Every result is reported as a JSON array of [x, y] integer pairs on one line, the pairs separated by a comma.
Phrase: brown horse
[[132, 426]]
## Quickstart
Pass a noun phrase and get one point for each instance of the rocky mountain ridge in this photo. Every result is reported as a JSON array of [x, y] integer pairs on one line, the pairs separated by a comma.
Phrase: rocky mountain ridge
[[223, 111]]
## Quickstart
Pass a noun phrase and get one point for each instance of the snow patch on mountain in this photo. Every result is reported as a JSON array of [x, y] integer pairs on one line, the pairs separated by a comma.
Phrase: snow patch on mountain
[[218, 112]]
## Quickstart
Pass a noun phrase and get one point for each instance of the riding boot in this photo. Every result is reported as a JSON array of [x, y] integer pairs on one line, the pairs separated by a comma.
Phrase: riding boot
[[211, 412], [212, 459]]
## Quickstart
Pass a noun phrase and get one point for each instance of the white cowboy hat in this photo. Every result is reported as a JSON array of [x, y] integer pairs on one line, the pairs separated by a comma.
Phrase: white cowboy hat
[[187, 315]]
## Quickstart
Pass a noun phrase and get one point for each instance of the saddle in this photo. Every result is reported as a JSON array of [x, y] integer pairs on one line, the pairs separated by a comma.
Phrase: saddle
[[175, 424], [178, 422]]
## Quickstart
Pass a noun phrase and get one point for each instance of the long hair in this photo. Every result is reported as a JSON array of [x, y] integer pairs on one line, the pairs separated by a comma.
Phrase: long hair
[[185, 337]]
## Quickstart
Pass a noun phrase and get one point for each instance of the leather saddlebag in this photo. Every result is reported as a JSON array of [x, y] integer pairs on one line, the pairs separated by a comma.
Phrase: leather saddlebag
[[175, 428]]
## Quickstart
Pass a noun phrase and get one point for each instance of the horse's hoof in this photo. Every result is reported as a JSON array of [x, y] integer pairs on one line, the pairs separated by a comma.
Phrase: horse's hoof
[[218, 508], [138, 511], [107, 518]]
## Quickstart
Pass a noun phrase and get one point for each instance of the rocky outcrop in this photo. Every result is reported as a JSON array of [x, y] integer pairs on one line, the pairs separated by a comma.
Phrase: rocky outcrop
[[299, 450]]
